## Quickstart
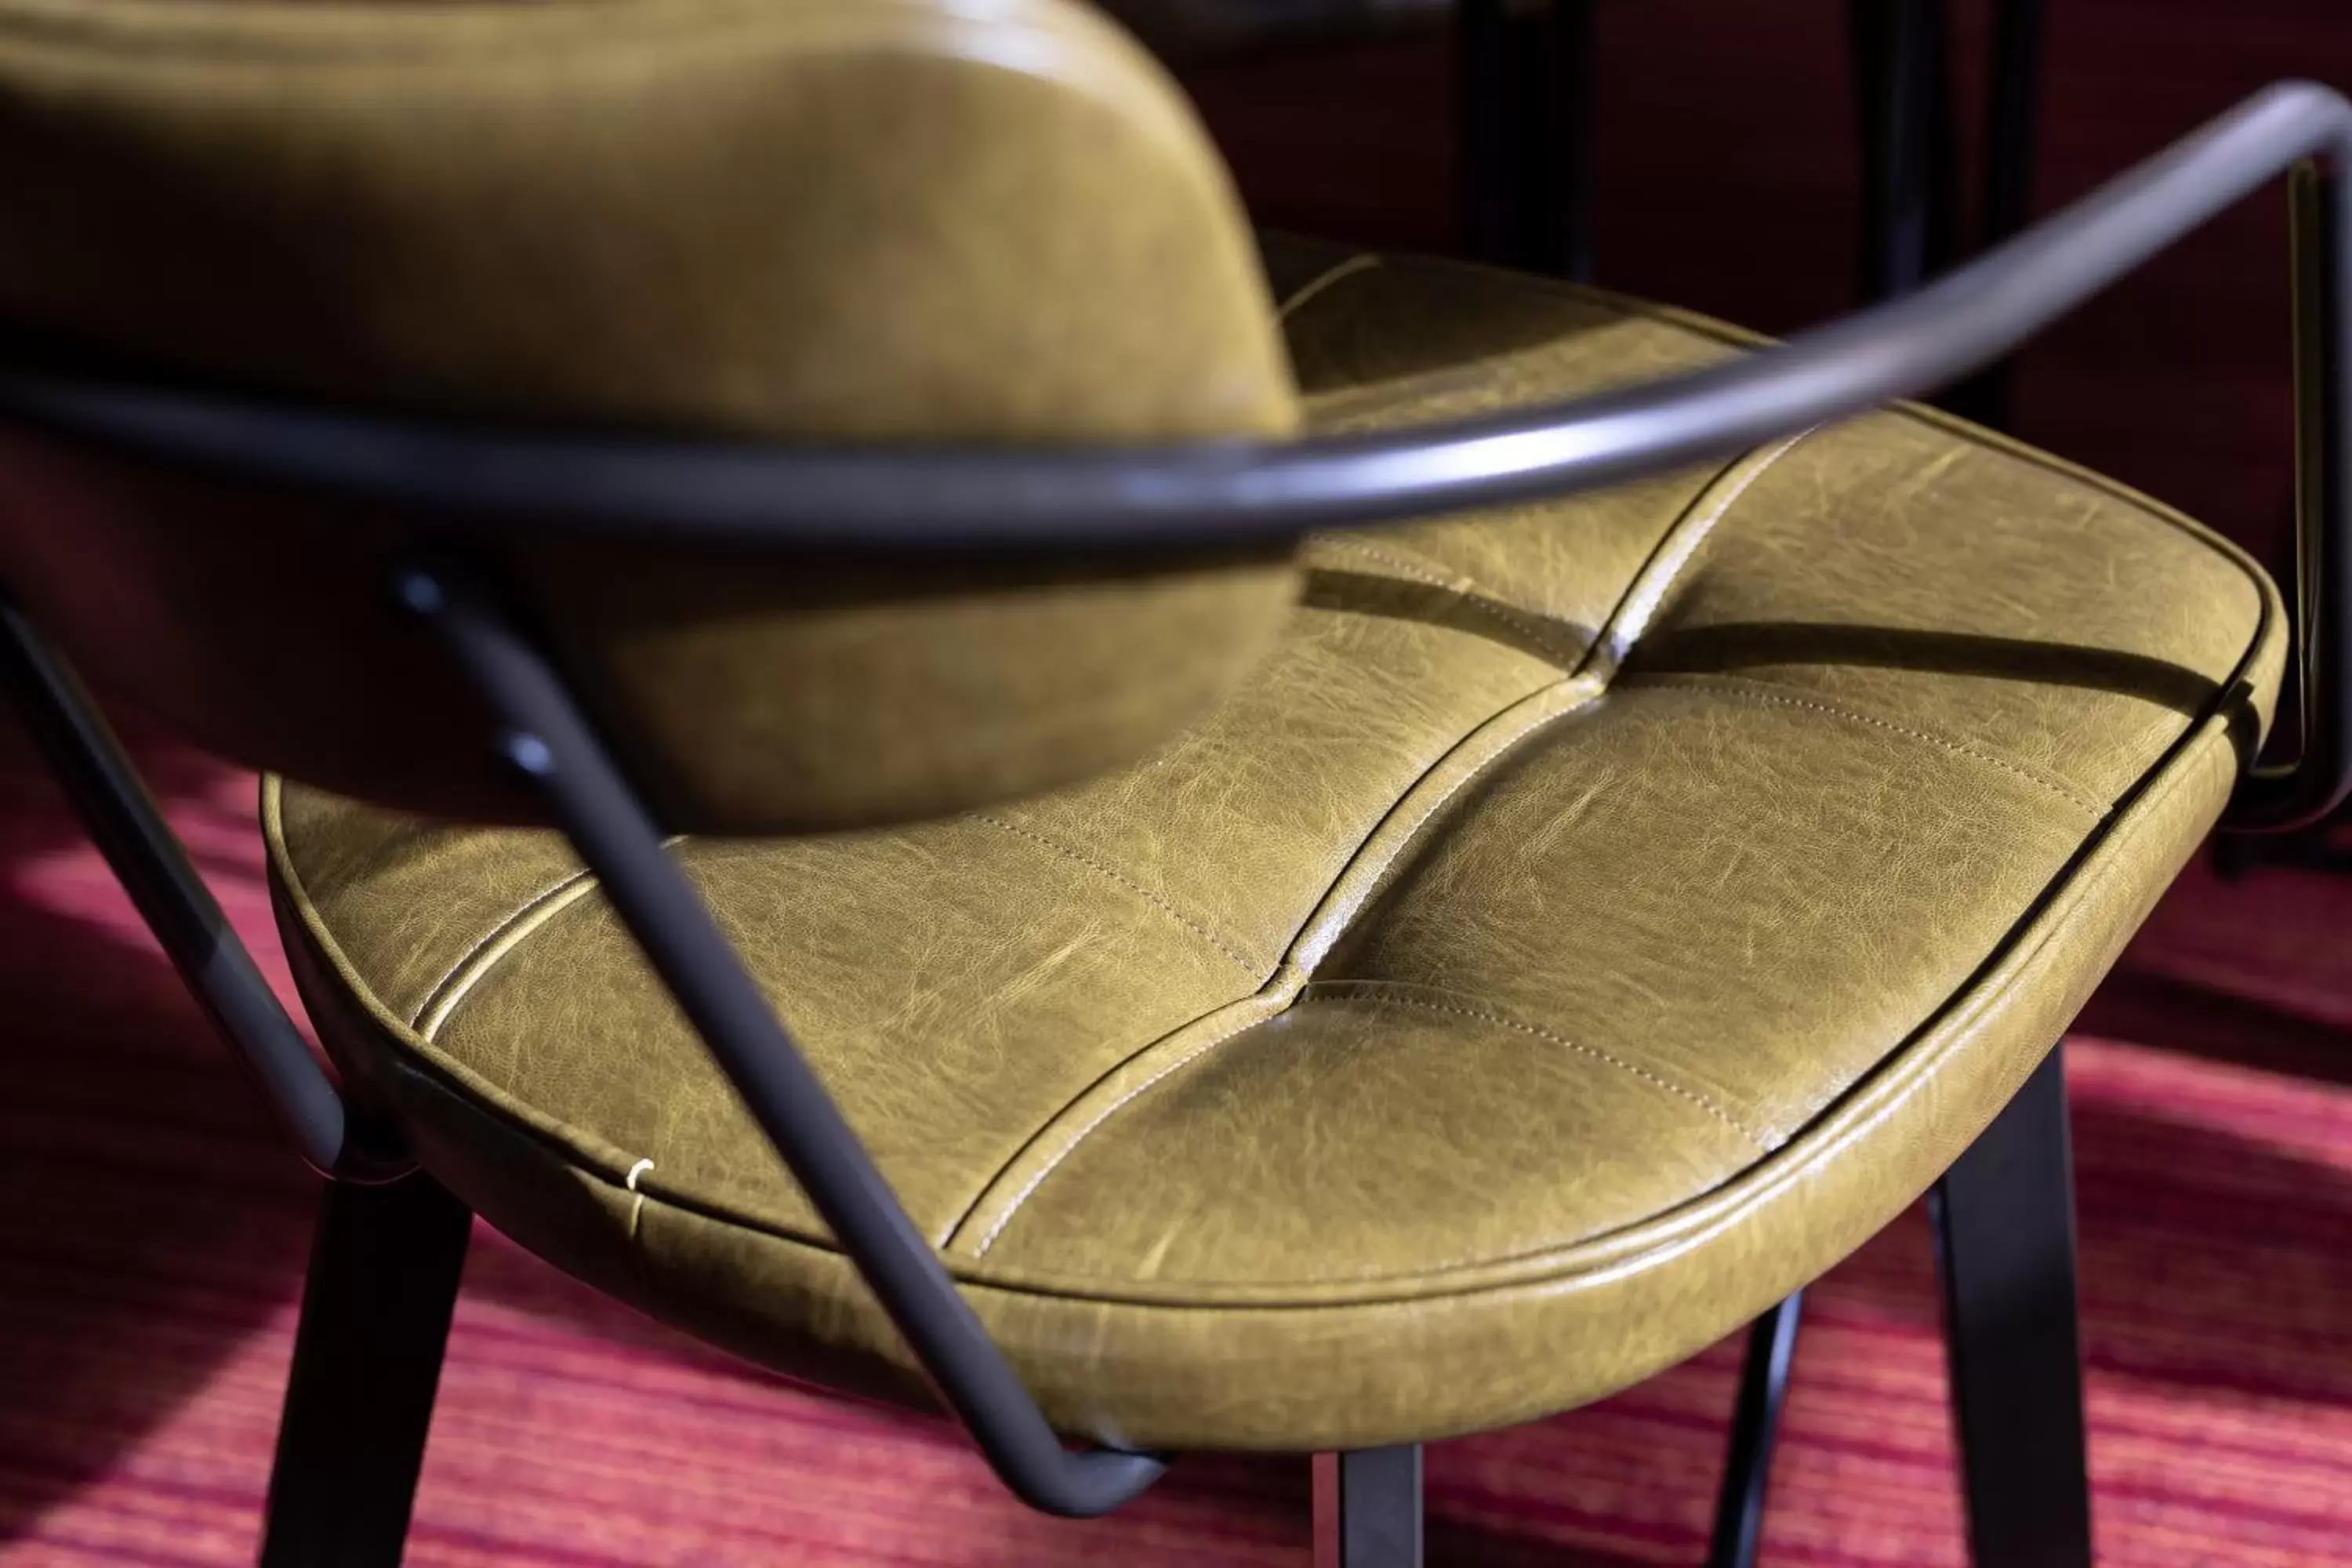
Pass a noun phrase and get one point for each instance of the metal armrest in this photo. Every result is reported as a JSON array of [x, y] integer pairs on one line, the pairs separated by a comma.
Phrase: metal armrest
[[2273, 799]]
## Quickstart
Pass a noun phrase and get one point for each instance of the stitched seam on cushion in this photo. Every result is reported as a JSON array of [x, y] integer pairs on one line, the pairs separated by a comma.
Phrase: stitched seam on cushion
[[1952, 425], [1315, 939], [1697, 513], [1671, 558], [1704, 513], [1339, 271], [2167, 775], [1647, 589], [1473, 597], [493, 947], [567, 1141], [1047, 1168], [608, 1165], [2144, 506], [1308, 947], [1412, 1288], [1321, 942], [1379, 994], [1255, 969], [1733, 685], [497, 929], [1935, 419], [2226, 555]]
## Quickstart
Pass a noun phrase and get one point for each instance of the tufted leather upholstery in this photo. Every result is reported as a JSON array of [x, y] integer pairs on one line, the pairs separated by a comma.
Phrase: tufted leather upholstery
[[1590, 921]]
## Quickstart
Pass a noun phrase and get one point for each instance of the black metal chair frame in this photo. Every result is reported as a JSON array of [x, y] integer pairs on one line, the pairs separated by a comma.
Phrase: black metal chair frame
[[1524, 77], [386, 1260]]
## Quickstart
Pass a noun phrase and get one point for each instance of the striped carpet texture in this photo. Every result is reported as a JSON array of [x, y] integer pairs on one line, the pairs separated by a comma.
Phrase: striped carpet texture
[[151, 1241]]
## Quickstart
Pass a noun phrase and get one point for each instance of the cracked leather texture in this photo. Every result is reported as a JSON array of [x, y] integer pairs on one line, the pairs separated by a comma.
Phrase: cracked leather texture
[[1589, 922], [789, 219]]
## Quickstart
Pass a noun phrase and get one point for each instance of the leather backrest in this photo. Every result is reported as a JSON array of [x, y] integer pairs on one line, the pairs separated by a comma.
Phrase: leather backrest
[[894, 221]]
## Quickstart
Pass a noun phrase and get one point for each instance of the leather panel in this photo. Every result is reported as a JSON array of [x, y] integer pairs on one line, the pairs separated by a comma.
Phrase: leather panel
[[2082, 676], [1545, 959], [1290, 789], [1362, 1125], [913, 990], [1342, 1367], [1502, 341]]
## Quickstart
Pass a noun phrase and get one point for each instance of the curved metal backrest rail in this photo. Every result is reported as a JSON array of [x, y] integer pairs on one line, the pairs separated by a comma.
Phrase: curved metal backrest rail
[[1194, 497], [1206, 494]]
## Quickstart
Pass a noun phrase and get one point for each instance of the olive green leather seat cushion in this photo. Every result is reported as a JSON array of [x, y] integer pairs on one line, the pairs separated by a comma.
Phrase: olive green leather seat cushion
[[1590, 922]]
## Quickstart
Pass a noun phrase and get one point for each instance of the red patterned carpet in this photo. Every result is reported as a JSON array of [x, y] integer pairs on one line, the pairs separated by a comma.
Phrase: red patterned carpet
[[151, 1241]]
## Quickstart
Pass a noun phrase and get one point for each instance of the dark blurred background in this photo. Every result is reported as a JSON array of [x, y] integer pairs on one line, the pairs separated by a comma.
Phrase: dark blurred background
[[1726, 170]]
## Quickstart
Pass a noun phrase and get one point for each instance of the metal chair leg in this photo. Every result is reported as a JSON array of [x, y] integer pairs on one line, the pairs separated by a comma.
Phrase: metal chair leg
[[1367, 1508], [383, 1277], [2005, 1225], [1755, 1425]]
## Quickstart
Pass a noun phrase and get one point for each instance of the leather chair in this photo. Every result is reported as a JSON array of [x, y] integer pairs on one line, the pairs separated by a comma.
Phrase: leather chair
[[849, 468]]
